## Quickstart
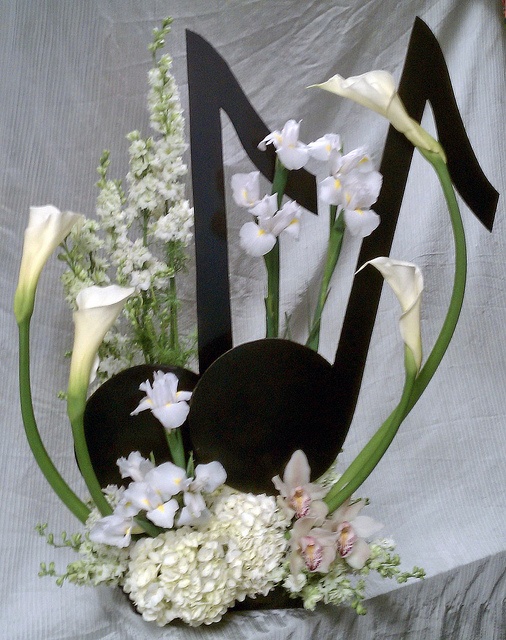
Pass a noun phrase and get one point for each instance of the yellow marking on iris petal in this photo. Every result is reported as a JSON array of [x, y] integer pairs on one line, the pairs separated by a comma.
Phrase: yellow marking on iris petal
[[337, 183], [260, 231], [359, 211]]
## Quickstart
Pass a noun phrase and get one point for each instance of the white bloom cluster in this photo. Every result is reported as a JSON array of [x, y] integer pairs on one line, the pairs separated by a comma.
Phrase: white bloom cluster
[[197, 575], [140, 236]]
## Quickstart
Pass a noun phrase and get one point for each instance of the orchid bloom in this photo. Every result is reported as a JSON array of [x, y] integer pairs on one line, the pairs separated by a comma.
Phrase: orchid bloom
[[47, 228], [351, 529], [167, 404], [97, 310], [300, 497], [376, 90], [246, 189], [292, 153], [406, 281], [258, 238], [312, 548]]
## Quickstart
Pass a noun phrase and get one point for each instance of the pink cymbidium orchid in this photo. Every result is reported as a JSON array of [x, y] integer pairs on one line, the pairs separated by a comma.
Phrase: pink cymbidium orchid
[[351, 529], [298, 496], [312, 548]]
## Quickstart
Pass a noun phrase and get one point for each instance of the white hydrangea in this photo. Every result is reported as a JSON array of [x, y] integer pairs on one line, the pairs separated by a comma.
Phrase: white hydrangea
[[259, 529], [197, 575]]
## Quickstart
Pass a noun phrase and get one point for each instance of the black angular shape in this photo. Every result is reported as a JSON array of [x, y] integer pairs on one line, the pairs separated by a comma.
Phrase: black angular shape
[[257, 404], [111, 432]]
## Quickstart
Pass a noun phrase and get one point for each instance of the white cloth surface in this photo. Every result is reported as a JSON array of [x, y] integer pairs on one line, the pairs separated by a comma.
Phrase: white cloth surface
[[73, 82]]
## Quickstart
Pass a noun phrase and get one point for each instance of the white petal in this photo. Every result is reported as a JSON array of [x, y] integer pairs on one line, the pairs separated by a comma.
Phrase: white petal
[[365, 526], [97, 310], [47, 227], [406, 281], [246, 188], [359, 555], [163, 515], [255, 241], [293, 157], [168, 479], [210, 476], [172, 415], [361, 223], [376, 91]]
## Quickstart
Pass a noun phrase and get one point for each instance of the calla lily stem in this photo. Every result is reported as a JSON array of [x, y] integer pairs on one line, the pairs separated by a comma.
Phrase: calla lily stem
[[459, 281], [58, 484], [371, 454], [415, 384], [75, 409]]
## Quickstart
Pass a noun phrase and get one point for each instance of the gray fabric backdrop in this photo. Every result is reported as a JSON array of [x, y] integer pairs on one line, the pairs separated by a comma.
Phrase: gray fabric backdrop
[[72, 82]]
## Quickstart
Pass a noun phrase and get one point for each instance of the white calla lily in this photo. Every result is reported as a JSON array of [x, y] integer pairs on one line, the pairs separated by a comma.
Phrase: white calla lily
[[376, 90], [406, 281], [97, 310], [47, 227]]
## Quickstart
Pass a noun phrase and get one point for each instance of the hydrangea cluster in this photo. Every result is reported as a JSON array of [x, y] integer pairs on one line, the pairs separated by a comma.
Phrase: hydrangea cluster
[[141, 234], [196, 575]]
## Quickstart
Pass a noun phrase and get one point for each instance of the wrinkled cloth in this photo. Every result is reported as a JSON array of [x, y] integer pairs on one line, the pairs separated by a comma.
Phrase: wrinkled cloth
[[73, 82]]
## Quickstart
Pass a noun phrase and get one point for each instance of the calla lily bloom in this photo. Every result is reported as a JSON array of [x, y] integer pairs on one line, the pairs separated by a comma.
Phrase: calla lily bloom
[[47, 228], [167, 404], [300, 497], [376, 90], [406, 281], [292, 153], [97, 310]]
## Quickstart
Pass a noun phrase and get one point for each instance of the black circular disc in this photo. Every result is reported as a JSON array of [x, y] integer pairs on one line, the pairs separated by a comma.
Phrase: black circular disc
[[111, 432], [257, 404]]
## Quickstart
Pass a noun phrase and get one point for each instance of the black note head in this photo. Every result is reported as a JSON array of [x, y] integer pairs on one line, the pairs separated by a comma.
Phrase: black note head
[[257, 404], [111, 432]]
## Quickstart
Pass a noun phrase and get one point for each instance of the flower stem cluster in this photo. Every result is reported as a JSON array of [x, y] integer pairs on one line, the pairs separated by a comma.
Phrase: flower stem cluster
[[327, 553], [141, 235], [350, 190]]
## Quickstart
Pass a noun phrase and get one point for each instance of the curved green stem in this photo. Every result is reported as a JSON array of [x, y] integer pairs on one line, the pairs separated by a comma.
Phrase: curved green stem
[[58, 484], [365, 462], [75, 410], [374, 450], [459, 281]]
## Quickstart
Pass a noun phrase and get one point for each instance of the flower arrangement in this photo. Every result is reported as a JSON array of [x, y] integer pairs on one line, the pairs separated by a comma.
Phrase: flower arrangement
[[176, 534]]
